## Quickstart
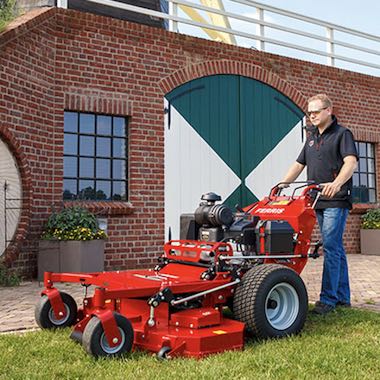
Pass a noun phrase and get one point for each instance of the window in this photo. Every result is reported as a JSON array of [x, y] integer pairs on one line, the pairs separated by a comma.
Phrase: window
[[95, 157], [364, 178]]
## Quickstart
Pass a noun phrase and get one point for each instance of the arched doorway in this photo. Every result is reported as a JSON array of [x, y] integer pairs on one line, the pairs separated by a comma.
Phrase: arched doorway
[[229, 134], [10, 196]]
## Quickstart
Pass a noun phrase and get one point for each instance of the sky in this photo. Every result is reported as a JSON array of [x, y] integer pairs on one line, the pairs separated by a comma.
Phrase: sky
[[360, 15]]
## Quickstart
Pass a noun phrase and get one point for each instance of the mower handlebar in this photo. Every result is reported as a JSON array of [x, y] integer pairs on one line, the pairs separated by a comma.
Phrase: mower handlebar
[[310, 185]]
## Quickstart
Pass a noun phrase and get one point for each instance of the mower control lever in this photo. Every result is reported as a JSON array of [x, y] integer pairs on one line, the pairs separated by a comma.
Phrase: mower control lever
[[209, 274], [238, 208], [197, 295], [164, 295], [315, 253]]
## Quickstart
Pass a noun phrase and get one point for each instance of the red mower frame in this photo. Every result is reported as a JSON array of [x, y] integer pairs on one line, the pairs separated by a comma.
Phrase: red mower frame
[[176, 309]]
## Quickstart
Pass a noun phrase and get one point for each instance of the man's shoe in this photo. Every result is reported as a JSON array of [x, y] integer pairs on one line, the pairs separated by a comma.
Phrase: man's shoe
[[322, 308], [343, 304]]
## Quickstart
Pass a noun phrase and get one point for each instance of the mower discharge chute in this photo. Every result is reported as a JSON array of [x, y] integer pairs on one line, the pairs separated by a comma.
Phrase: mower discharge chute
[[249, 260]]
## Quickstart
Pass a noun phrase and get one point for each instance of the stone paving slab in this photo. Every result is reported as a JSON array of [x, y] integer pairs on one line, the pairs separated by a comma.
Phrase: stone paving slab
[[364, 280], [17, 303]]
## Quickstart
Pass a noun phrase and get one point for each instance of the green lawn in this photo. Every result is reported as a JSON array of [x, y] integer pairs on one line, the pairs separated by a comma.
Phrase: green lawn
[[343, 345]]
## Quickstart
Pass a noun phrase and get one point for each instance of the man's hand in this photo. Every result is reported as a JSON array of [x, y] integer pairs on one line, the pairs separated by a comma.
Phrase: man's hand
[[329, 189]]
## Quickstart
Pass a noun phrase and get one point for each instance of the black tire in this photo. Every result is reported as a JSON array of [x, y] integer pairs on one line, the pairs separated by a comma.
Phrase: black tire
[[272, 301], [95, 342], [45, 317], [163, 353]]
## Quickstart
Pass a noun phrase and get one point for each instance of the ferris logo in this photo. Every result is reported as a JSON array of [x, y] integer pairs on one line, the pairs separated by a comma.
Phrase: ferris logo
[[270, 210]]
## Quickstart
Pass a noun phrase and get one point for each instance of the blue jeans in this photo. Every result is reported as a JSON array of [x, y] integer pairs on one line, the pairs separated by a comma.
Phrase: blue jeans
[[335, 282]]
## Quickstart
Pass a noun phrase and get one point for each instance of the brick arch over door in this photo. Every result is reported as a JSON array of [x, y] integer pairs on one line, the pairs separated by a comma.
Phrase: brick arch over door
[[248, 70], [12, 251]]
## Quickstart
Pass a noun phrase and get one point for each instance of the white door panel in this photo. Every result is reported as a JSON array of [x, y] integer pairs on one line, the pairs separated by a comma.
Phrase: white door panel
[[10, 176], [275, 165], [192, 168]]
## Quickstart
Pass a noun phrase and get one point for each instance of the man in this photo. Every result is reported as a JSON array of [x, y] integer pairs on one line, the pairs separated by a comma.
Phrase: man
[[331, 158]]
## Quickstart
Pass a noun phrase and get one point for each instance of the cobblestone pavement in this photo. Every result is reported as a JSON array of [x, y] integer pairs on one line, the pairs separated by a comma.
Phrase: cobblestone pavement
[[17, 304]]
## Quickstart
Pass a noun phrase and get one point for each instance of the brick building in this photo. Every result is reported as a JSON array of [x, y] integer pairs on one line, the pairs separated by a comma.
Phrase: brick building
[[59, 64]]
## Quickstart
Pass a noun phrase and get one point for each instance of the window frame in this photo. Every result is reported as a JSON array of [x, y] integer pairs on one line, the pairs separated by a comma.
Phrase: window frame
[[78, 155], [361, 173]]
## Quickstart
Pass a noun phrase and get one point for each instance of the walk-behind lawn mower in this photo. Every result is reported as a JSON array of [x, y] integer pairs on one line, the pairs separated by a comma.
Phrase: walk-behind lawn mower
[[249, 260]]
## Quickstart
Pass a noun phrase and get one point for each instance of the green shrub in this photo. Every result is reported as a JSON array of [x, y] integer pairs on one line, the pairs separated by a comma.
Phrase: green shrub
[[73, 223], [371, 219], [8, 277], [7, 12]]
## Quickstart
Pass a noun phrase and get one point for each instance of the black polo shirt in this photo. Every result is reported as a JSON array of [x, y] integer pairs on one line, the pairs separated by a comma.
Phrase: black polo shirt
[[323, 155]]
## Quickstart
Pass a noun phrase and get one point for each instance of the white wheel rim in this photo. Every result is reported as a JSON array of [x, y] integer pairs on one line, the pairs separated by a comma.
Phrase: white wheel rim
[[56, 321], [107, 348], [282, 306]]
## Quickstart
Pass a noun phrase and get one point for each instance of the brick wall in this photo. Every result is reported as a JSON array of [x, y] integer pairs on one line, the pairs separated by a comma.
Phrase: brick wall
[[55, 60]]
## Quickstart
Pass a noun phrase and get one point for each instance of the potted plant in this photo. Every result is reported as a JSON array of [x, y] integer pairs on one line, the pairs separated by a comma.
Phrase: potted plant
[[72, 242], [370, 232]]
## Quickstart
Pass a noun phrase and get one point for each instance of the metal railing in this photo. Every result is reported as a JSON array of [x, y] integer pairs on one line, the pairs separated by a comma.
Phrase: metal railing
[[12, 208], [339, 47]]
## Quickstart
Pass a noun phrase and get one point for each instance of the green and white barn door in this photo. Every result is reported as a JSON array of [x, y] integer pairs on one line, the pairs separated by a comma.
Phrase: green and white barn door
[[228, 134]]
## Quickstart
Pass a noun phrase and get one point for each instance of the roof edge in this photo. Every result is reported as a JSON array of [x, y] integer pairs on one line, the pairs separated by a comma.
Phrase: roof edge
[[25, 22]]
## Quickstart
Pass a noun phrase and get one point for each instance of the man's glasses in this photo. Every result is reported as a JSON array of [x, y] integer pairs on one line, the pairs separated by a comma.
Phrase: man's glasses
[[316, 112]]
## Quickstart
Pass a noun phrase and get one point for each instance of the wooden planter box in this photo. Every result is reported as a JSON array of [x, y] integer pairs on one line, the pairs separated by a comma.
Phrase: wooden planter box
[[370, 242], [70, 256]]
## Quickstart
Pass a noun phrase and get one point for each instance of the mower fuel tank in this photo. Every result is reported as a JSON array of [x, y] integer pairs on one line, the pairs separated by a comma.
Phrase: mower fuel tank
[[278, 235], [189, 228]]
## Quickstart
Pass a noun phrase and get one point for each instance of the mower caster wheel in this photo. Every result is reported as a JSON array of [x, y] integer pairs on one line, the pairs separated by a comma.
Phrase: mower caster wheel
[[163, 354], [77, 336], [95, 342], [45, 317], [272, 301]]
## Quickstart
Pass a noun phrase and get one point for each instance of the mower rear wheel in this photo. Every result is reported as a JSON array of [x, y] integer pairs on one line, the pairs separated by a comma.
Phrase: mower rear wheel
[[95, 342], [45, 317], [272, 301]]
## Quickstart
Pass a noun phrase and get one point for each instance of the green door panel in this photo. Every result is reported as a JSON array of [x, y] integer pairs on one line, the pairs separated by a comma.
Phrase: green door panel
[[242, 196], [240, 118], [266, 116], [211, 106]]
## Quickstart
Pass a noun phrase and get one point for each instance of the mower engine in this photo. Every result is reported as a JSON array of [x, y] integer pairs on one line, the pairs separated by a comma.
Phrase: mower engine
[[217, 222], [277, 229]]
